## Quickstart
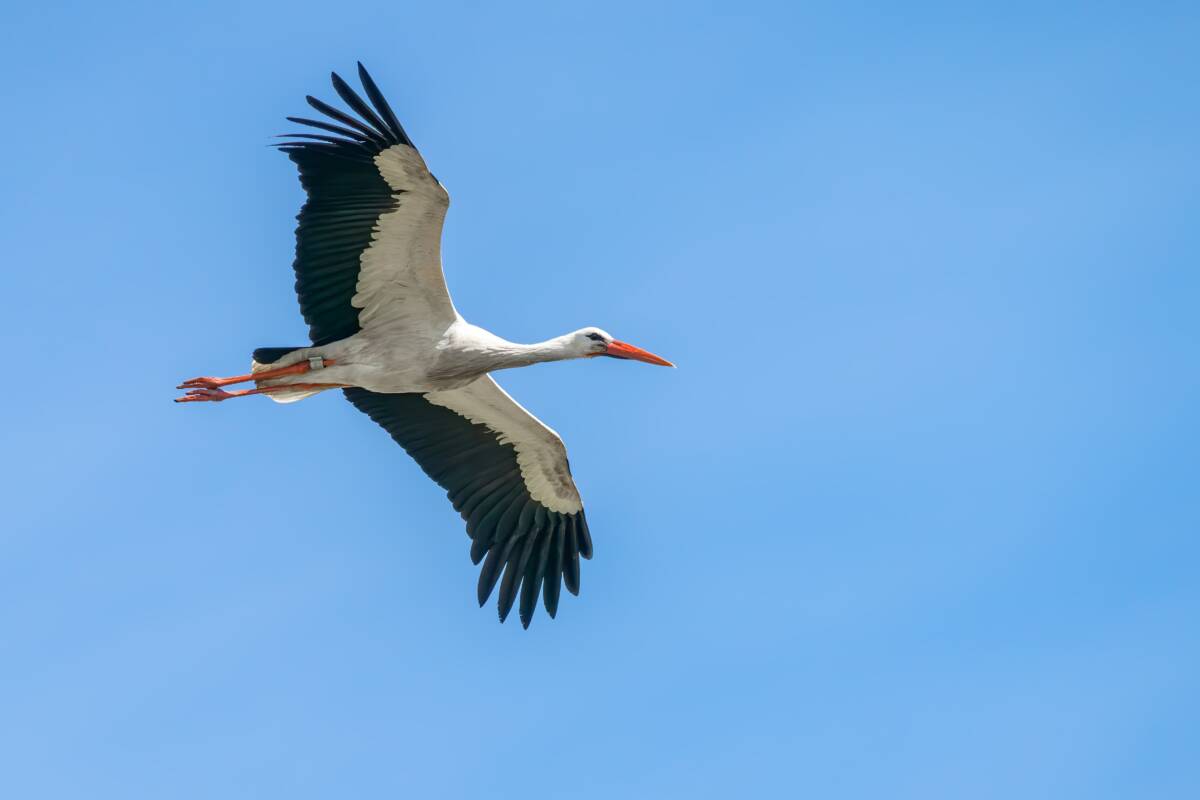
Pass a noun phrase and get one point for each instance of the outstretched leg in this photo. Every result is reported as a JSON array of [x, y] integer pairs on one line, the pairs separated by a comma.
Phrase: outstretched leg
[[299, 368], [215, 394]]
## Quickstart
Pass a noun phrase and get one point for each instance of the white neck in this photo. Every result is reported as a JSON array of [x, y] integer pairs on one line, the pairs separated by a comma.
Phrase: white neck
[[512, 354]]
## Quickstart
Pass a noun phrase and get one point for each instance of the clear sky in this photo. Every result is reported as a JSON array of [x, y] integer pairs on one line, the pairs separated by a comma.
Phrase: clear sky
[[916, 517]]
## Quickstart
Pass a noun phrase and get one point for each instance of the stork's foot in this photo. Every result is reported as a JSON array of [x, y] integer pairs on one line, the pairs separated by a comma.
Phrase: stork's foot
[[207, 395], [316, 362], [204, 383], [216, 395]]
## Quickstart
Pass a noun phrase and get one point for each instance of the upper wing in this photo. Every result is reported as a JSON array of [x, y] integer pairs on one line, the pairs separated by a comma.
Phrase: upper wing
[[507, 475], [368, 246]]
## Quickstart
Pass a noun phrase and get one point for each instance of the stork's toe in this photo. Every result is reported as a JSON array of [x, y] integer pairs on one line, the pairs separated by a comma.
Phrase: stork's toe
[[200, 383], [204, 395]]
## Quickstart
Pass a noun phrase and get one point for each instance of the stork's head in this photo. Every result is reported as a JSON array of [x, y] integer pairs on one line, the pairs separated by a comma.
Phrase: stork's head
[[589, 342]]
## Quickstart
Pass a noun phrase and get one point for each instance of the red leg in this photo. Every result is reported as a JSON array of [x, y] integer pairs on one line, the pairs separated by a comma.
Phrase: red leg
[[298, 368], [216, 395]]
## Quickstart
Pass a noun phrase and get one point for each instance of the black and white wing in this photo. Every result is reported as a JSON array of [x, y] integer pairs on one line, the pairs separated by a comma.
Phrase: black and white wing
[[368, 246], [507, 474]]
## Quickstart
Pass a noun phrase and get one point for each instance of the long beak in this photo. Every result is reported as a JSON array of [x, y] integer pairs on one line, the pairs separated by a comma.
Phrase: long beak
[[625, 350]]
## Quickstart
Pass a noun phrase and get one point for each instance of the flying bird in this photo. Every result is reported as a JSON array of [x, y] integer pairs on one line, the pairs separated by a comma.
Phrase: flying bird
[[383, 328]]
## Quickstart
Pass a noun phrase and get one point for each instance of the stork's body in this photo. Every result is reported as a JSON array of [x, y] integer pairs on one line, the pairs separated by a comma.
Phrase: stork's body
[[429, 362], [383, 328]]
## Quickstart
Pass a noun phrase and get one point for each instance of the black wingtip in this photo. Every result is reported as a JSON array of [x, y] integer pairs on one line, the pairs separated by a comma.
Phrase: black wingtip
[[386, 114], [344, 118], [479, 549], [570, 556], [535, 572], [583, 535], [325, 126], [515, 576], [351, 98], [553, 585], [490, 573], [508, 590]]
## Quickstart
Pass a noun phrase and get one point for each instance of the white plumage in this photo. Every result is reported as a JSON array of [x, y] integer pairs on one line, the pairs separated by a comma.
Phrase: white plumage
[[383, 327]]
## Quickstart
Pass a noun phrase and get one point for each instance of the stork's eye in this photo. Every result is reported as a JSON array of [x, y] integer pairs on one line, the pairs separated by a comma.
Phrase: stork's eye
[[595, 337]]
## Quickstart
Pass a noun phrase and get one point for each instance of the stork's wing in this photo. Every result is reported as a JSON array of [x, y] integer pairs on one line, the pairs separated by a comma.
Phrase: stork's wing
[[368, 246], [507, 475]]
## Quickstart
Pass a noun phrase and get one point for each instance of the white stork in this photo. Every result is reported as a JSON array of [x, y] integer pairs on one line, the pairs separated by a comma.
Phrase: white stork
[[383, 328]]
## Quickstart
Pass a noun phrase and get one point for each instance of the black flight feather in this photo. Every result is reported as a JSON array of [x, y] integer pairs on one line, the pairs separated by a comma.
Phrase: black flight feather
[[479, 548], [511, 581], [506, 525], [482, 493], [570, 557], [553, 583], [491, 571], [531, 584], [346, 119], [381, 105], [354, 101], [534, 573], [326, 126], [583, 535]]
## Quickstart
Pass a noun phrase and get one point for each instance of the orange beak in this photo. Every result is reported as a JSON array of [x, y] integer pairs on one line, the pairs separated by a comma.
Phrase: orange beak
[[624, 350]]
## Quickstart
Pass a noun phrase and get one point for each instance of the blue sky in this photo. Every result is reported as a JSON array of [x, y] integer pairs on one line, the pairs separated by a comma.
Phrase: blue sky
[[915, 517]]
